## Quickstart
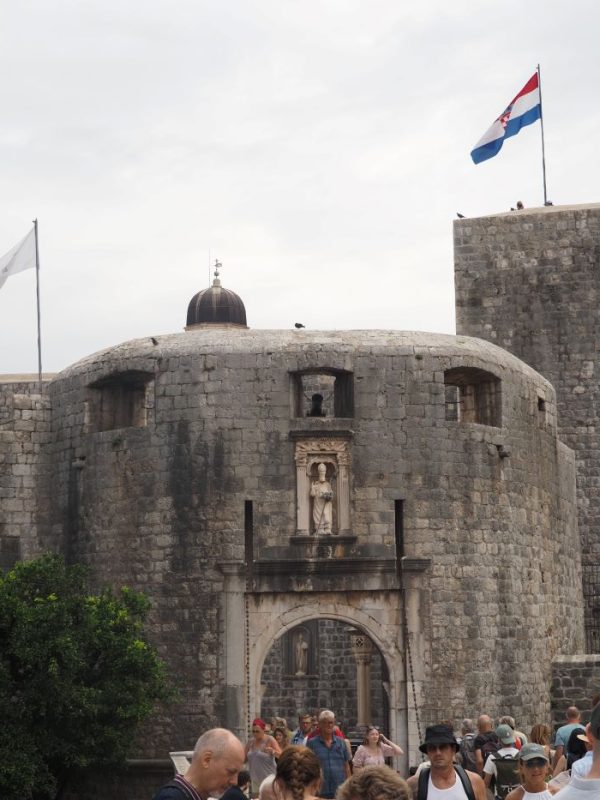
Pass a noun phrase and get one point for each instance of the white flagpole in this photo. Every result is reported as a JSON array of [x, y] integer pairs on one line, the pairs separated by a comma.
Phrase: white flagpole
[[542, 128], [37, 288]]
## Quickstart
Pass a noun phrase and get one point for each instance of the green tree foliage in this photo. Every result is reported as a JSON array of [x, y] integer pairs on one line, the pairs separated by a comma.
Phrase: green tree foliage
[[76, 676]]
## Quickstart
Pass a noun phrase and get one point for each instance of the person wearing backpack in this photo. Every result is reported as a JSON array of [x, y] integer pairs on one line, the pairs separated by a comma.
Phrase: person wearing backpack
[[444, 779], [502, 767], [467, 746], [486, 742], [562, 734]]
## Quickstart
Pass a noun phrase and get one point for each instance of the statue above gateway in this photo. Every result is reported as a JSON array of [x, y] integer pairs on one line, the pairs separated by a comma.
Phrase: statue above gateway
[[322, 495], [322, 486]]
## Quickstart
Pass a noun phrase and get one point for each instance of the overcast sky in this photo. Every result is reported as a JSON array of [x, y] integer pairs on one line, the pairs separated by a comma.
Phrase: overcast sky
[[320, 150]]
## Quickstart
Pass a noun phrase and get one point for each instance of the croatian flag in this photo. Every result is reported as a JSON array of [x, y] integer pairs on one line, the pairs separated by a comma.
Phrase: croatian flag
[[524, 109]]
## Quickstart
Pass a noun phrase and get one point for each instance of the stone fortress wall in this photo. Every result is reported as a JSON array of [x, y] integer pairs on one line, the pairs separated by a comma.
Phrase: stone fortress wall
[[529, 281], [185, 466], [25, 434], [180, 468]]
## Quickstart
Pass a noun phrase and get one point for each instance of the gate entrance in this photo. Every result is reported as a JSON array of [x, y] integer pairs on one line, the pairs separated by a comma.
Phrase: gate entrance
[[326, 663]]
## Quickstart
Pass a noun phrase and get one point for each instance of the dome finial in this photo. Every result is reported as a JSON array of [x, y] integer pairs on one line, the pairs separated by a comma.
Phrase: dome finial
[[218, 266]]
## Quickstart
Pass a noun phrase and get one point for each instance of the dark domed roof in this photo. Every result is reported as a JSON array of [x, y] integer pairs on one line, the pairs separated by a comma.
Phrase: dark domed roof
[[216, 306]]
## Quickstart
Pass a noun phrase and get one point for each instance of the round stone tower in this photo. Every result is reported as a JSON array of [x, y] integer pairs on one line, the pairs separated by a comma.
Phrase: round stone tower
[[424, 501]]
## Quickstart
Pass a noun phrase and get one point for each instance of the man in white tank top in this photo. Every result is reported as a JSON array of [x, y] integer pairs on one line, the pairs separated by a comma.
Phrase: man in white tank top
[[442, 781]]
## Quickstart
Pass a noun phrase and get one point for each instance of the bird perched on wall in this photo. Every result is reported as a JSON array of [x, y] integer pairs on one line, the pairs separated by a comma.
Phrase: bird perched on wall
[[153, 340], [299, 325], [459, 215]]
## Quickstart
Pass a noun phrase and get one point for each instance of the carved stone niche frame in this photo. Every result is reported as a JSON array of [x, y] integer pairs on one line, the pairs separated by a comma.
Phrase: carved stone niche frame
[[291, 645], [334, 452]]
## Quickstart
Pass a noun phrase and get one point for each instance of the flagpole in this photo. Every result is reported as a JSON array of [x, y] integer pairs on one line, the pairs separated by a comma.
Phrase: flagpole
[[542, 128], [37, 289]]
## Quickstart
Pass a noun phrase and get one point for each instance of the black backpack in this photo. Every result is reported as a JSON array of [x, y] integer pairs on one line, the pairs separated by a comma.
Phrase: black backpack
[[467, 752], [423, 785], [490, 746], [507, 774], [575, 748]]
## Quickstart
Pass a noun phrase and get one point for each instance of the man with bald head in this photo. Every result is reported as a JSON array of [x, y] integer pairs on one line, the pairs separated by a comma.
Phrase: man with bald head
[[217, 759], [587, 788], [486, 741], [564, 732]]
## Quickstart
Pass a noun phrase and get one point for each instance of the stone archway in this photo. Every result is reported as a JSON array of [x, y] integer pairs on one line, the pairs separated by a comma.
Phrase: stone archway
[[375, 614], [326, 663]]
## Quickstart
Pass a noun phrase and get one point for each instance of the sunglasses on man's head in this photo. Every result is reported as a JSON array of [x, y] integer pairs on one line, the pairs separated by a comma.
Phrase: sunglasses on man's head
[[535, 762]]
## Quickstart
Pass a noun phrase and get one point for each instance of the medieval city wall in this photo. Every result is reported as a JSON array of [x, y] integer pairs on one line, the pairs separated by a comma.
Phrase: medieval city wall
[[575, 682], [196, 503], [529, 281], [24, 436]]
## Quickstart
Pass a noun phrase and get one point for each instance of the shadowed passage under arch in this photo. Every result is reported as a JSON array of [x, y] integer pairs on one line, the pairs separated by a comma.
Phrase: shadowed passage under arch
[[326, 663]]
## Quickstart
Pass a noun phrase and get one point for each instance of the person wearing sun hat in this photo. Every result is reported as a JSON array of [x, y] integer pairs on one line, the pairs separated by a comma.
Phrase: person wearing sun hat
[[583, 765], [444, 780], [587, 788]]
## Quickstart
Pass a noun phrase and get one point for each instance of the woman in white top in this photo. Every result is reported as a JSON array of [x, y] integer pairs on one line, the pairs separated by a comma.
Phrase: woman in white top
[[374, 750], [534, 769]]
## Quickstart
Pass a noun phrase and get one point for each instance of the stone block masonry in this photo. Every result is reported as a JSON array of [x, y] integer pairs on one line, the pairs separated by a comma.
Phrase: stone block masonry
[[171, 465], [24, 437], [575, 681], [529, 281]]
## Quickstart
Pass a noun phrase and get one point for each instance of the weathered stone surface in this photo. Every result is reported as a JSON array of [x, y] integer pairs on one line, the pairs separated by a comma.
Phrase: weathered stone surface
[[529, 282], [488, 510], [575, 681]]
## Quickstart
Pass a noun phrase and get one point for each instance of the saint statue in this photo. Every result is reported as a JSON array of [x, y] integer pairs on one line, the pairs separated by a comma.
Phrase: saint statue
[[301, 655], [322, 495]]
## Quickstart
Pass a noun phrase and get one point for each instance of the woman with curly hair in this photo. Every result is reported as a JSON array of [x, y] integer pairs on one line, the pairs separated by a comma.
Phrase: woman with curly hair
[[298, 776]]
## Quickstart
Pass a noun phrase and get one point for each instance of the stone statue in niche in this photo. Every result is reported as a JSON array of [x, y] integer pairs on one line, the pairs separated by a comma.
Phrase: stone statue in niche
[[322, 495], [300, 655], [322, 487]]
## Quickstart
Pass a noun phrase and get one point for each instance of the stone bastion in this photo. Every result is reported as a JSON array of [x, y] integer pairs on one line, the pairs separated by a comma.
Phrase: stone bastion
[[410, 485]]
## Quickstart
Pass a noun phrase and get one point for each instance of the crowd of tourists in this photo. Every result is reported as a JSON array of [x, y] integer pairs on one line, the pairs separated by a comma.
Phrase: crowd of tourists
[[484, 761]]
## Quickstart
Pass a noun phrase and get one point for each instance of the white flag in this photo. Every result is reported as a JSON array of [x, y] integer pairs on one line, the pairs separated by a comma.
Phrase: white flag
[[21, 257]]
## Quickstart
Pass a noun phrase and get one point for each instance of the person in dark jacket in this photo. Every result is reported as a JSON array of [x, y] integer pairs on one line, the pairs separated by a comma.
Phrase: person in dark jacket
[[239, 792]]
